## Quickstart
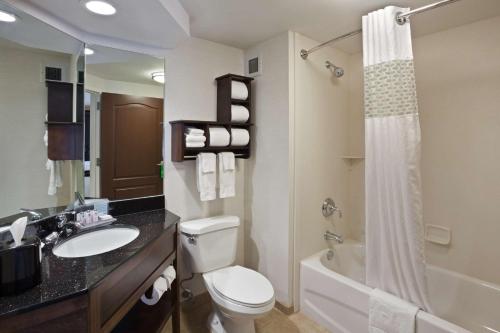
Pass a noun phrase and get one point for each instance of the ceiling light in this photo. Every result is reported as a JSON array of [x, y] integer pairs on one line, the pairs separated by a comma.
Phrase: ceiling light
[[100, 7], [88, 51], [158, 77], [7, 17]]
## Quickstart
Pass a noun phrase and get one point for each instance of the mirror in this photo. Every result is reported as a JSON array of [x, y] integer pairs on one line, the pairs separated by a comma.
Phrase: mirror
[[123, 124], [74, 119], [41, 115]]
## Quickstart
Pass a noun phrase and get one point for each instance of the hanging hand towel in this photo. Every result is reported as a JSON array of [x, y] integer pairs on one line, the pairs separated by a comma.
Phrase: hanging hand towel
[[239, 90], [226, 175], [239, 137], [239, 114], [219, 137], [390, 314], [55, 179], [205, 176]]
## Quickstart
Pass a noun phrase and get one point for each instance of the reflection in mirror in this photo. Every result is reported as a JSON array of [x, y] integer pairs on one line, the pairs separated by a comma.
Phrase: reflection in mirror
[[123, 124], [41, 115]]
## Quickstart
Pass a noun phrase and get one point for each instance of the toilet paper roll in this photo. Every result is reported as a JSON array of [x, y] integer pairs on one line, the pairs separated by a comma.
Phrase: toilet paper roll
[[160, 286], [169, 274], [219, 137], [239, 114], [239, 90], [239, 137]]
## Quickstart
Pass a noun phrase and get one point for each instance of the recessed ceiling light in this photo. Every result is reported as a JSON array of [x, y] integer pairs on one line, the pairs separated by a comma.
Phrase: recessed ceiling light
[[88, 51], [158, 77], [7, 17], [100, 7]]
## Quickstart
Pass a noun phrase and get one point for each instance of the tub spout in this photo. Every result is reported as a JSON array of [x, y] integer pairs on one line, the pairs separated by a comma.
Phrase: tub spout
[[332, 236]]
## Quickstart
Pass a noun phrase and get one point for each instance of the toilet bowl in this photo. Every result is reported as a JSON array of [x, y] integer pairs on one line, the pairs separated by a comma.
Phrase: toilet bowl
[[239, 295]]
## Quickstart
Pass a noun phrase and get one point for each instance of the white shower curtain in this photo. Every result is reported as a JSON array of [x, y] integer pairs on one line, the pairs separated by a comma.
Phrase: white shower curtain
[[394, 236]]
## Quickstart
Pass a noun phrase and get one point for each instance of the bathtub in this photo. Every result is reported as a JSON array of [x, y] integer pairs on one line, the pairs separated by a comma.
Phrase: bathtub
[[333, 293]]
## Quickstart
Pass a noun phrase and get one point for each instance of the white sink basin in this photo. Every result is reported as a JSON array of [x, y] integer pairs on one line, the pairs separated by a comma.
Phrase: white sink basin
[[95, 242]]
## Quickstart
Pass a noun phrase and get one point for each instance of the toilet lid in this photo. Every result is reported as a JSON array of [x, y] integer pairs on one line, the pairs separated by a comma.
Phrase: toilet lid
[[243, 285]]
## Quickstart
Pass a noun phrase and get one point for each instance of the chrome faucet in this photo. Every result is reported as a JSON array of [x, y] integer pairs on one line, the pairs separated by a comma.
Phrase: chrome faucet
[[34, 215], [332, 236], [65, 228]]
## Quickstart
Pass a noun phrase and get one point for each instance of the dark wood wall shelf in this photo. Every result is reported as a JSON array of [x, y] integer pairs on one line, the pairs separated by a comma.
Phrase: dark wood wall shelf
[[224, 101], [65, 137], [182, 153]]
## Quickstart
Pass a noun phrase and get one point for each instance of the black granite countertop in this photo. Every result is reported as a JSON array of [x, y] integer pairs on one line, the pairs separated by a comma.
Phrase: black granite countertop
[[63, 278]]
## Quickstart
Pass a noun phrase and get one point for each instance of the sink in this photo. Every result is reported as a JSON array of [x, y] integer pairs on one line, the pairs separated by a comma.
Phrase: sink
[[97, 241]]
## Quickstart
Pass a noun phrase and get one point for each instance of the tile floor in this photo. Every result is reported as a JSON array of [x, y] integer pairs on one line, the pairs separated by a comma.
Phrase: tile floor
[[194, 315]]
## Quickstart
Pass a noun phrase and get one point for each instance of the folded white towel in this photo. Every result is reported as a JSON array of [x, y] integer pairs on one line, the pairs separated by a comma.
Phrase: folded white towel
[[194, 131], [195, 144], [226, 175], [239, 137], [206, 176], [239, 114], [219, 137], [195, 138], [390, 314], [239, 90]]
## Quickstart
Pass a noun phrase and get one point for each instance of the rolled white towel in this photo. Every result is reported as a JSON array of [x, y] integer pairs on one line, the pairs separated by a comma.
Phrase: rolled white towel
[[195, 138], [239, 90], [239, 114], [219, 137], [239, 137]]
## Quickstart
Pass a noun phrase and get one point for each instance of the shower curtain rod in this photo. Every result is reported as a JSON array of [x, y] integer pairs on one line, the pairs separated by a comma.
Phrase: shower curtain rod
[[400, 19]]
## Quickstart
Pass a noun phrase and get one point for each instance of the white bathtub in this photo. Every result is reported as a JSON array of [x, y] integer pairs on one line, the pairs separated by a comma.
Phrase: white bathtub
[[333, 293]]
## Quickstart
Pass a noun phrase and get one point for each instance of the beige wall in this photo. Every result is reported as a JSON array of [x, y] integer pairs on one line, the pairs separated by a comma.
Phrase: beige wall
[[97, 84], [458, 87], [23, 177], [268, 230], [321, 138], [190, 93]]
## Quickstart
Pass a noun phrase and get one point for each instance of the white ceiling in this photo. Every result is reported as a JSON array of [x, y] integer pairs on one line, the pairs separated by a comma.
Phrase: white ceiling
[[119, 65], [243, 23], [151, 25], [31, 33]]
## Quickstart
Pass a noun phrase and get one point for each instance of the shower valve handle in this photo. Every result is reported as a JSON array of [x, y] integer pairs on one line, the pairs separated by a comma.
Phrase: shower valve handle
[[329, 208]]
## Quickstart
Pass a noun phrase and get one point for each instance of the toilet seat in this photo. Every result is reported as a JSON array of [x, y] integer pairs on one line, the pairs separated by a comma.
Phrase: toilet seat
[[243, 286]]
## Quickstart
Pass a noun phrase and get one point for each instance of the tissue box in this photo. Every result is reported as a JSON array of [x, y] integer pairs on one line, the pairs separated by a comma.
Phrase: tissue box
[[101, 205], [20, 266]]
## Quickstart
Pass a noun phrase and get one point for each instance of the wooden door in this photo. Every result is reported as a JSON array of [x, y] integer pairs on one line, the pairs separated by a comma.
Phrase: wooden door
[[131, 146]]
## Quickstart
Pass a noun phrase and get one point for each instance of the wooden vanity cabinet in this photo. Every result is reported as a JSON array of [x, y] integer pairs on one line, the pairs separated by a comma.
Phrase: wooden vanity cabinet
[[113, 305]]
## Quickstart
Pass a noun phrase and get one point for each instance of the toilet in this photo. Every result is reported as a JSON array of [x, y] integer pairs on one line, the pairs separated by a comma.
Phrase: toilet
[[240, 295]]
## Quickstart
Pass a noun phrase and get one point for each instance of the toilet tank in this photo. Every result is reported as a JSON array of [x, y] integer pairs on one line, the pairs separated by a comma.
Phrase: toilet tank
[[210, 243]]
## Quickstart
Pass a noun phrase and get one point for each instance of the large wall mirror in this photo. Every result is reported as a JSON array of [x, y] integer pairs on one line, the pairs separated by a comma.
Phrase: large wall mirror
[[41, 114], [74, 118]]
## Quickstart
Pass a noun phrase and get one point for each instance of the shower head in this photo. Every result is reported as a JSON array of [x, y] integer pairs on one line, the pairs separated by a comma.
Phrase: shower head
[[338, 71]]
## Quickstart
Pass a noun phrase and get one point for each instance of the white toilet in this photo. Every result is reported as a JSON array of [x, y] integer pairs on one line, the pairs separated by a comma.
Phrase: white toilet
[[240, 295]]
